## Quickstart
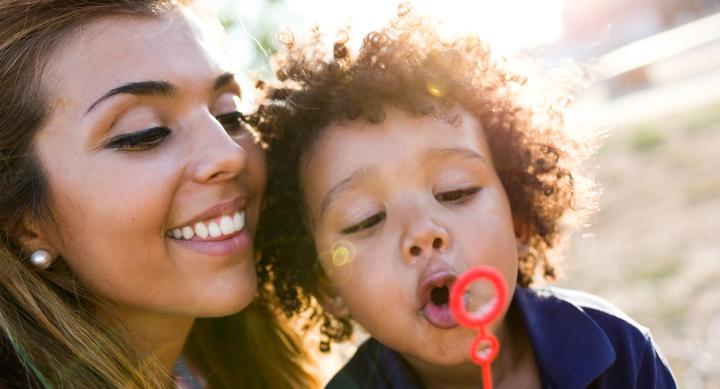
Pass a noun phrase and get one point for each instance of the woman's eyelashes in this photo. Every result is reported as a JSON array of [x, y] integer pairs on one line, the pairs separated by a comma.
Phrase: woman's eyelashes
[[233, 122], [140, 140], [365, 224], [149, 138], [458, 196]]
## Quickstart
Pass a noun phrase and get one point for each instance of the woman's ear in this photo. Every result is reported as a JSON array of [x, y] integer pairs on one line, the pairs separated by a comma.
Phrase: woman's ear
[[329, 298], [522, 235], [32, 237]]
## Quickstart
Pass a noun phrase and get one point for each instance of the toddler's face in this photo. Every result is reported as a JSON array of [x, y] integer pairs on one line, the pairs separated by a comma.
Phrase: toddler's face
[[399, 210]]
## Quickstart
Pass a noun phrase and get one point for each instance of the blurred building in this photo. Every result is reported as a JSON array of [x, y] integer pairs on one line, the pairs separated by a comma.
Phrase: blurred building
[[610, 24], [644, 44]]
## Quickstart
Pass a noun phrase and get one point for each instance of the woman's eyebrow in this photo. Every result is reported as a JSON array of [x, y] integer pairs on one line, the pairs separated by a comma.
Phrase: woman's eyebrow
[[224, 79], [156, 88], [141, 88]]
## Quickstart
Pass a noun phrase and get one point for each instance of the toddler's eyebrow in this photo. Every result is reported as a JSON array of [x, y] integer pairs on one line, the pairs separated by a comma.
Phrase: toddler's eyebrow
[[451, 152], [364, 173], [351, 181]]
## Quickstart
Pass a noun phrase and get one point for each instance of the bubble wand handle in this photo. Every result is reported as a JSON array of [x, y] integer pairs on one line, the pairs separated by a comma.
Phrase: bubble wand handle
[[485, 340]]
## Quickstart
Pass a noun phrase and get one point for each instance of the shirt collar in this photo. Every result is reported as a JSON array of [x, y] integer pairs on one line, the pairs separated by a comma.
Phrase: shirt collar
[[570, 348]]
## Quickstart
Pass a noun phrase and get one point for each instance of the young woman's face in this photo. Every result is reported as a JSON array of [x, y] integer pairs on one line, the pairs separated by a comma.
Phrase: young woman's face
[[399, 210], [154, 184]]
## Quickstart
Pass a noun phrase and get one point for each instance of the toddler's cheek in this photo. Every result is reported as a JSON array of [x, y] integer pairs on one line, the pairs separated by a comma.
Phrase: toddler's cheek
[[338, 267]]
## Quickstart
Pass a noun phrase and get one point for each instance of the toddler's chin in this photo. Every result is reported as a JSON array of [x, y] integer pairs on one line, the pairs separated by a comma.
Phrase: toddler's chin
[[460, 358], [445, 355]]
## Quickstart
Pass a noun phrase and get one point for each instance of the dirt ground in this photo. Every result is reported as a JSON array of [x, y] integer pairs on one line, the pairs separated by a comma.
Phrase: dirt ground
[[654, 247]]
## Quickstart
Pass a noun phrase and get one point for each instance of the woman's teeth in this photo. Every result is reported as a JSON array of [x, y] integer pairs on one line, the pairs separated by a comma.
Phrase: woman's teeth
[[226, 225]]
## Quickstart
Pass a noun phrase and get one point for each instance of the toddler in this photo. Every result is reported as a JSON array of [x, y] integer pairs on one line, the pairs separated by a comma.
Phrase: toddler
[[394, 170]]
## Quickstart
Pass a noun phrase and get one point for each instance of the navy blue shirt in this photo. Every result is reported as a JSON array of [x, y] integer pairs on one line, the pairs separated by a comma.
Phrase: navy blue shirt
[[578, 340]]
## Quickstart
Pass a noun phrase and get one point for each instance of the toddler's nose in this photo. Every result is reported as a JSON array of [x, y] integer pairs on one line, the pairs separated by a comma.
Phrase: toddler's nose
[[423, 240]]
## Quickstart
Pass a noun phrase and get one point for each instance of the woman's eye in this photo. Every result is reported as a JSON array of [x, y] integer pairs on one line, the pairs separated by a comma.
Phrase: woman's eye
[[233, 122], [140, 140], [365, 224], [458, 195]]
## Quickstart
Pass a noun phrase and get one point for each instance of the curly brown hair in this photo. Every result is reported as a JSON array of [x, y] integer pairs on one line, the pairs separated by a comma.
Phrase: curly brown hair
[[407, 65]]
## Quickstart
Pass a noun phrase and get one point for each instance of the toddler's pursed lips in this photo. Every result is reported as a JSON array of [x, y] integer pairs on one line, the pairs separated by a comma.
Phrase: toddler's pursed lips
[[437, 279], [433, 293]]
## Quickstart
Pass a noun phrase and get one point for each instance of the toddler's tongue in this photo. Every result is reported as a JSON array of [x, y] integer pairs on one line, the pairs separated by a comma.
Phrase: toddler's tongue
[[439, 315]]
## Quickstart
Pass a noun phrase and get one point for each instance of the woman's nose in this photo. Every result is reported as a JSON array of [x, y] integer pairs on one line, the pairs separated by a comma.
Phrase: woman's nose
[[424, 239], [218, 156]]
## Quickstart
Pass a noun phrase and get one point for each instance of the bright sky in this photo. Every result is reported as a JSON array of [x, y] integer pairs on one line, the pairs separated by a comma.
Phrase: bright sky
[[507, 24]]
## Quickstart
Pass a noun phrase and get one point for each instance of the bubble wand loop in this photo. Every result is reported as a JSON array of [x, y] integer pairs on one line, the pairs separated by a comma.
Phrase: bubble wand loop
[[479, 321]]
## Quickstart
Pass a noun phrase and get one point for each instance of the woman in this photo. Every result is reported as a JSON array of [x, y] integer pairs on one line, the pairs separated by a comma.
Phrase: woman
[[129, 196]]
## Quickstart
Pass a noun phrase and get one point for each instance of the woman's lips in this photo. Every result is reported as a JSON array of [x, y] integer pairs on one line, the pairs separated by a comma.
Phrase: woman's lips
[[234, 244]]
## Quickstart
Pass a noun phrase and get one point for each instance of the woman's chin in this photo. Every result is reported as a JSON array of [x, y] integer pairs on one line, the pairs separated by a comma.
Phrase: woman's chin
[[226, 295]]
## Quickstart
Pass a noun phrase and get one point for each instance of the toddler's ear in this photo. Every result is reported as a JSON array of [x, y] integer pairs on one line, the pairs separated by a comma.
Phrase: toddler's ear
[[328, 297], [522, 235]]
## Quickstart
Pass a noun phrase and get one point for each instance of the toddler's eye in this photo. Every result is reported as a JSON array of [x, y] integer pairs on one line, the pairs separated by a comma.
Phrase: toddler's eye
[[140, 140], [365, 224], [458, 195], [233, 122]]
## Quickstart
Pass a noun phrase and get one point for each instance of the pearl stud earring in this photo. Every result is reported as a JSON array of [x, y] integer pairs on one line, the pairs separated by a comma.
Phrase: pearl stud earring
[[41, 259]]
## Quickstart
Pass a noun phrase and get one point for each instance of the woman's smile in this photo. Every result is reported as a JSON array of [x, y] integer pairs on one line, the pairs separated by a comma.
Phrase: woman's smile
[[219, 222]]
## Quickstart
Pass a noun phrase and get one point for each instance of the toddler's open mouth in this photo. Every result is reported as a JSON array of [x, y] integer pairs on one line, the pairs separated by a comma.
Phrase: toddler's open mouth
[[434, 294]]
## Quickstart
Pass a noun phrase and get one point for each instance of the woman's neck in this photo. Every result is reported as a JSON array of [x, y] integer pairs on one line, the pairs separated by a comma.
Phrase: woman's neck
[[159, 335], [513, 367]]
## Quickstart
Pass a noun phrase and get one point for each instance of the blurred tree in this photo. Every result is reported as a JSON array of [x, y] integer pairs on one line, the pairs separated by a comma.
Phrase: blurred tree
[[252, 26]]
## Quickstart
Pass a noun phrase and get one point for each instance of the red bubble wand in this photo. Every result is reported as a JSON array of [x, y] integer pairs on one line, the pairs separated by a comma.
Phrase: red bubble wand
[[489, 343]]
